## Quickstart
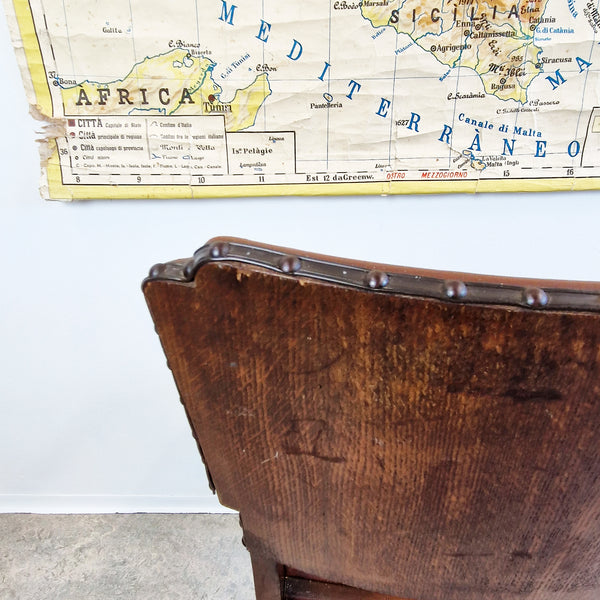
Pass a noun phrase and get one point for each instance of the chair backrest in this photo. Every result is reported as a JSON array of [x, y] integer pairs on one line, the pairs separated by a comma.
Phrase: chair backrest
[[386, 432]]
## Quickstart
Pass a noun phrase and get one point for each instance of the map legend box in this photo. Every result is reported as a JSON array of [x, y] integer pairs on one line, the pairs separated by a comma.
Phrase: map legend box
[[141, 147]]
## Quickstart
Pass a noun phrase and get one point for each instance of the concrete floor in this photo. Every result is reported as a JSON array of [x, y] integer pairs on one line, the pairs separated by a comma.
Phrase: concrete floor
[[145, 557]]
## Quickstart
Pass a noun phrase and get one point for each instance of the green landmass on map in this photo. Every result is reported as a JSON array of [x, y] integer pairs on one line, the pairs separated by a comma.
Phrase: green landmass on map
[[174, 83]]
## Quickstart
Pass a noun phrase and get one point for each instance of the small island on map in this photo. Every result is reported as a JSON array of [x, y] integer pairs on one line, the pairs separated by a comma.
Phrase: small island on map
[[493, 38], [174, 83]]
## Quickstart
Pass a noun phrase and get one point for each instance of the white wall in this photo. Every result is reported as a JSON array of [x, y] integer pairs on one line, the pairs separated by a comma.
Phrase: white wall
[[89, 416]]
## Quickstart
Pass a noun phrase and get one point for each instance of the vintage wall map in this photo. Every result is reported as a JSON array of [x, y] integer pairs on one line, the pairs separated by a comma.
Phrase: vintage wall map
[[202, 98]]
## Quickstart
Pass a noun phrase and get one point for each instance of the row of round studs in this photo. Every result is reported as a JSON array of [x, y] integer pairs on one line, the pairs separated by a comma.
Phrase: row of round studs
[[375, 279]]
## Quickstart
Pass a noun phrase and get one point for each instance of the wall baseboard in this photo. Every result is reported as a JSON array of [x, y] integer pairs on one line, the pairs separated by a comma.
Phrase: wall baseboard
[[84, 504]]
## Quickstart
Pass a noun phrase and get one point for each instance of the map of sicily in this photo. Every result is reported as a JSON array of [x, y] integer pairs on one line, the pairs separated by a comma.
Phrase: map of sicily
[[215, 98]]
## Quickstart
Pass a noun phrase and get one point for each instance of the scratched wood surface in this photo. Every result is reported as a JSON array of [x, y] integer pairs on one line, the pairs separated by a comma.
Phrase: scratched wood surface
[[421, 449]]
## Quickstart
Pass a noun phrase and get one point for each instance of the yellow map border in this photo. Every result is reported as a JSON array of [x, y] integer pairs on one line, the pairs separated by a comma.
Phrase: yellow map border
[[57, 190]]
